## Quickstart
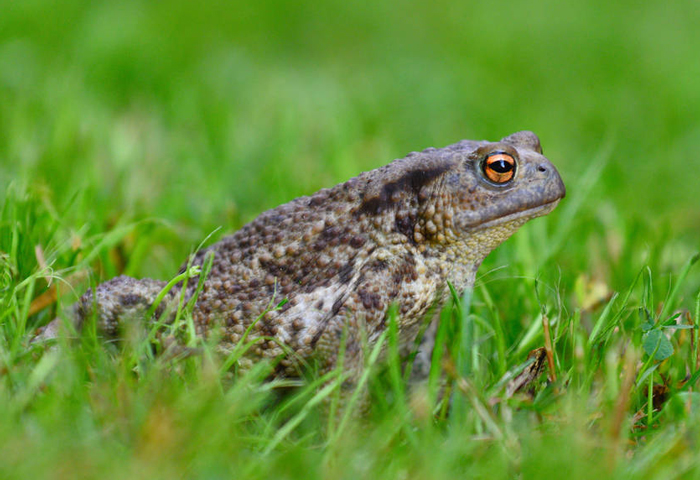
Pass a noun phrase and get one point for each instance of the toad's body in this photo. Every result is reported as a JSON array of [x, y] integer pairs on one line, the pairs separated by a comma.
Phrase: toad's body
[[341, 257]]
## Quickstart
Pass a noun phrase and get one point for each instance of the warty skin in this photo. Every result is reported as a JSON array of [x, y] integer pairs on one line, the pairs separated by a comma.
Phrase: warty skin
[[342, 256]]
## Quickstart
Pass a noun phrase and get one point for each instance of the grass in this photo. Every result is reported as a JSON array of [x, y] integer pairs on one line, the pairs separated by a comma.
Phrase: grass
[[131, 132]]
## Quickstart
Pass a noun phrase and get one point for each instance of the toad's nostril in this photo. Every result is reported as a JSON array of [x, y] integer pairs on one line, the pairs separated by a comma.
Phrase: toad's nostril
[[542, 167]]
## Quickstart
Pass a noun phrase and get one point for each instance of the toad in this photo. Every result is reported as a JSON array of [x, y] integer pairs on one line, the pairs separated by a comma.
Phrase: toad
[[323, 270]]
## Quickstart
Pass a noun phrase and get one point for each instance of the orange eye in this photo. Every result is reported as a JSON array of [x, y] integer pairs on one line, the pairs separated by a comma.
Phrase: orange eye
[[499, 167]]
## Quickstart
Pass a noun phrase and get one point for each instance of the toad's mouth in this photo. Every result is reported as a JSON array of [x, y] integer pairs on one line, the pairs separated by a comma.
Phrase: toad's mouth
[[521, 215]]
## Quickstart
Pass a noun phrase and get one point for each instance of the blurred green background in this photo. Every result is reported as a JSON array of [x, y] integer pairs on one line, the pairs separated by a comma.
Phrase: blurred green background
[[131, 130], [203, 114]]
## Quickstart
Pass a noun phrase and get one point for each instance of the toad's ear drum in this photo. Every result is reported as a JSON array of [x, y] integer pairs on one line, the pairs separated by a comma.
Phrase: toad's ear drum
[[499, 168]]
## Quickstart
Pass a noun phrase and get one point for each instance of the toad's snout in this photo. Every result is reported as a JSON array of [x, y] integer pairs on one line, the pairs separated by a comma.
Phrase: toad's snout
[[554, 188]]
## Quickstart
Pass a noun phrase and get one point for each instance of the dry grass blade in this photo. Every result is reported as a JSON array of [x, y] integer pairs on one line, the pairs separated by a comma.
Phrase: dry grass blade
[[548, 348]]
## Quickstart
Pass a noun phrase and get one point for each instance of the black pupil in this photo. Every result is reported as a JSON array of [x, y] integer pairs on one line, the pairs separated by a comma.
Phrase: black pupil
[[501, 166]]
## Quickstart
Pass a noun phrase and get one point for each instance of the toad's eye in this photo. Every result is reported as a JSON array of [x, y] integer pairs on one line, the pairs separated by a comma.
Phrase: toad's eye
[[499, 167]]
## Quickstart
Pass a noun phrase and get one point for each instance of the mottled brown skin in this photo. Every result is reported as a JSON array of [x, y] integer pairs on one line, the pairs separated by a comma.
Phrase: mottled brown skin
[[343, 255]]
